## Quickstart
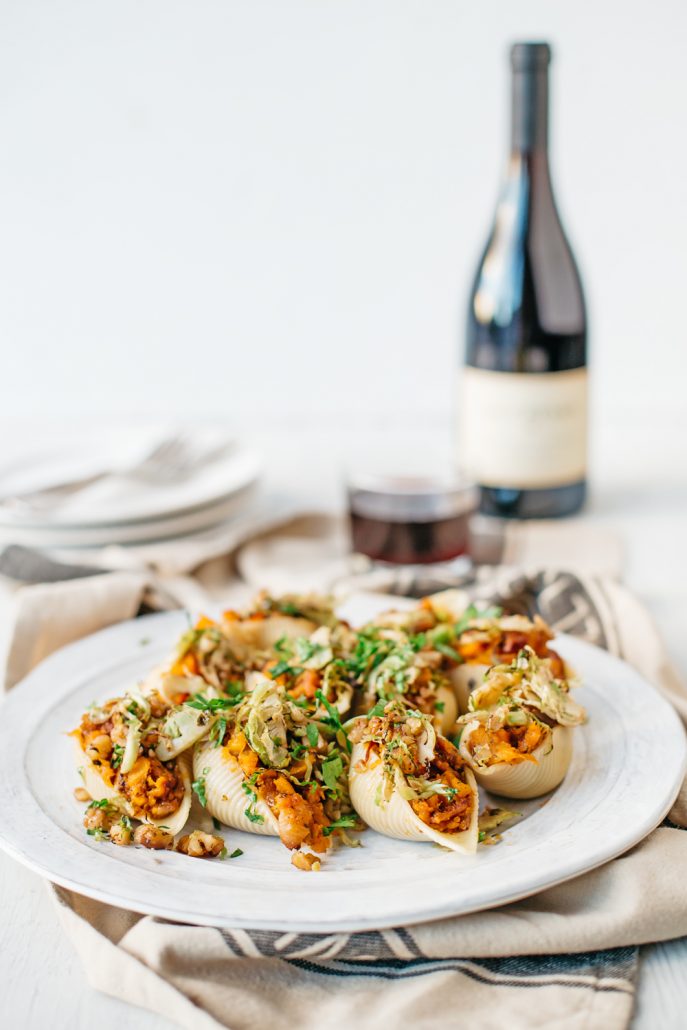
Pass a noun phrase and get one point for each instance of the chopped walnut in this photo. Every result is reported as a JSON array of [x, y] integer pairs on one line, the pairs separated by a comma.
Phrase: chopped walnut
[[81, 794], [200, 845], [99, 816], [154, 837], [99, 747], [121, 834], [304, 860]]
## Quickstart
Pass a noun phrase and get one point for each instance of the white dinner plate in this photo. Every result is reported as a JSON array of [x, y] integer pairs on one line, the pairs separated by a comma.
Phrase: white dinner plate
[[76, 538], [628, 765], [118, 502]]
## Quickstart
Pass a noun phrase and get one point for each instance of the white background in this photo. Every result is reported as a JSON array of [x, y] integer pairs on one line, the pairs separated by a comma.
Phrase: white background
[[272, 210]]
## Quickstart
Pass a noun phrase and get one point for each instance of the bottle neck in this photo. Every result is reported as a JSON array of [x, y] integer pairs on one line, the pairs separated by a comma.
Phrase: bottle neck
[[530, 112]]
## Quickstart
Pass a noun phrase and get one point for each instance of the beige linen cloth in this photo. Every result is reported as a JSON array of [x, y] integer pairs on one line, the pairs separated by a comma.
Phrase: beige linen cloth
[[565, 958]]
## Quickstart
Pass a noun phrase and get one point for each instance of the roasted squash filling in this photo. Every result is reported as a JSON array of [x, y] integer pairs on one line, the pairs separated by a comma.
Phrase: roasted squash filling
[[509, 744], [477, 647], [299, 810], [451, 810], [153, 790]]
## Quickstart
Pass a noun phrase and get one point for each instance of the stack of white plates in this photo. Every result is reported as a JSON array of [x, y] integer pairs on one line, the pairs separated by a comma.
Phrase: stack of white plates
[[215, 483]]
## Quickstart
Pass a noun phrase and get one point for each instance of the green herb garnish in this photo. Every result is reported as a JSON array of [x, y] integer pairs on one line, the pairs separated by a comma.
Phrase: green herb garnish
[[334, 719], [343, 822], [213, 704], [98, 833], [198, 787], [331, 771], [217, 732], [280, 669], [250, 812]]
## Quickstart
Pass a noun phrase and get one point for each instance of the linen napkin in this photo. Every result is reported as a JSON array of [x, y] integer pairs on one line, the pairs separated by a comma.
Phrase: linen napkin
[[566, 957]]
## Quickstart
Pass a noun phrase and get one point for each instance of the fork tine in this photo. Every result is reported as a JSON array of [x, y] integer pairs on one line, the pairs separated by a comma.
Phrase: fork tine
[[165, 451]]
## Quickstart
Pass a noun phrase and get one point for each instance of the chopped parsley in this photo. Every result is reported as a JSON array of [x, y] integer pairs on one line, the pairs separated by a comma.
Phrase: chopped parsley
[[98, 833], [214, 704], [312, 734], [282, 668], [198, 787], [473, 612], [236, 853], [449, 652], [250, 813], [332, 769], [217, 732], [117, 756], [344, 821], [333, 718]]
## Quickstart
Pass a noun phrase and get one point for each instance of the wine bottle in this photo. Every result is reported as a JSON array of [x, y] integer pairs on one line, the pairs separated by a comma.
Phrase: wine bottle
[[523, 404]]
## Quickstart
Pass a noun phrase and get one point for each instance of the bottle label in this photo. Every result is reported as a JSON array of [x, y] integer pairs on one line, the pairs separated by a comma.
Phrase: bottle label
[[523, 430]]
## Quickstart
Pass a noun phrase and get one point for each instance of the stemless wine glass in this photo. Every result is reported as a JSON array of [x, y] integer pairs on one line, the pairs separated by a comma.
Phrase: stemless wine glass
[[411, 519]]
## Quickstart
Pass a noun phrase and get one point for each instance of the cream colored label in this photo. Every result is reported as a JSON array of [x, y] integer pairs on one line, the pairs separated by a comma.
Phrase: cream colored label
[[524, 431]]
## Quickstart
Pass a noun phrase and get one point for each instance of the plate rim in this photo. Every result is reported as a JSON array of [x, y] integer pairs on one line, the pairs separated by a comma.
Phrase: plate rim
[[176, 911]]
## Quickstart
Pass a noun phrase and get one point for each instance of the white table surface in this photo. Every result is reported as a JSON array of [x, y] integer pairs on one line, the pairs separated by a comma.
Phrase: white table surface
[[42, 979]]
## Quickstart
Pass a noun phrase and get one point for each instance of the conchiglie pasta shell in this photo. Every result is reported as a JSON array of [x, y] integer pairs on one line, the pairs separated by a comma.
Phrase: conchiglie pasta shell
[[525, 779], [225, 798], [396, 818], [93, 781], [177, 820], [464, 678], [450, 603], [99, 789], [247, 635]]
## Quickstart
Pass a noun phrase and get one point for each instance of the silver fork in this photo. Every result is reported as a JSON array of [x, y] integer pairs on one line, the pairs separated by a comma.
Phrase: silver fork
[[171, 460]]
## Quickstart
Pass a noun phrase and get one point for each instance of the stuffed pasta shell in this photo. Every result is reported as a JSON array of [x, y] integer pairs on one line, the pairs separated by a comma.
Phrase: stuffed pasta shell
[[277, 769], [116, 755], [473, 640], [517, 736], [488, 641], [218, 651], [408, 781], [307, 667], [391, 663]]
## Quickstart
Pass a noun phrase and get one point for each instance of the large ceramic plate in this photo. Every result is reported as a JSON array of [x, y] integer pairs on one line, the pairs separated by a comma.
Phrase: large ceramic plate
[[628, 765], [126, 504]]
